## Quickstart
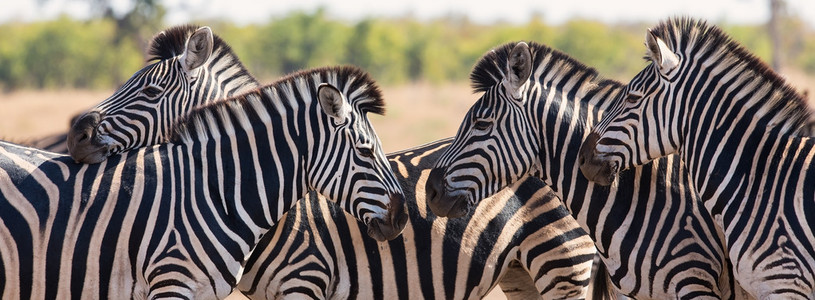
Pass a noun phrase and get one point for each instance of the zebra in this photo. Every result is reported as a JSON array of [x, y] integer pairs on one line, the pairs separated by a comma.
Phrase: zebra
[[190, 66], [319, 253], [538, 249], [537, 105], [179, 219], [740, 129]]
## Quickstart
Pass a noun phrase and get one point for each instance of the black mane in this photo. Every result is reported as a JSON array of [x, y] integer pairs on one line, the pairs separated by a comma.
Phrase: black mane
[[357, 86], [489, 70], [170, 42], [358, 79], [682, 33]]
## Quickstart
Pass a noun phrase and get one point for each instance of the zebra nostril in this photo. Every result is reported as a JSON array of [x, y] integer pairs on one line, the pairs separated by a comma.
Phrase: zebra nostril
[[82, 137]]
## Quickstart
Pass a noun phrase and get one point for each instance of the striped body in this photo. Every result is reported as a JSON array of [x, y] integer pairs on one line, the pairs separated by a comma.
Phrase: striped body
[[179, 219], [740, 128], [538, 106], [320, 253]]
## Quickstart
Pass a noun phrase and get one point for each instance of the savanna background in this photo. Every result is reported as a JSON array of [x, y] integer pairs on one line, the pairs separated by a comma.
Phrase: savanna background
[[54, 67]]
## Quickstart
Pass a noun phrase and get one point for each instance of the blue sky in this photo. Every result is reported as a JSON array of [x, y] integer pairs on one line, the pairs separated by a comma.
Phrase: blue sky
[[517, 11]]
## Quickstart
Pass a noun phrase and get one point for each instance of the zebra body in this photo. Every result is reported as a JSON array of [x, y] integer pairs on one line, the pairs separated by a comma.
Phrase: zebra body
[[434, 258], [739, 128], [179, 219], [538, 105]]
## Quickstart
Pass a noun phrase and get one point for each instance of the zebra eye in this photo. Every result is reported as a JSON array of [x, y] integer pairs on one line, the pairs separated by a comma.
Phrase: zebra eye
[[151, 91], [633, 98], [366, 152], [482, 125]]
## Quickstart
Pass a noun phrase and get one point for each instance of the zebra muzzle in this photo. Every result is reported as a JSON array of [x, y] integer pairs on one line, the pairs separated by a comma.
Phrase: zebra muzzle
[[595, 168], [393, 224], [83, 141], [442, 202]]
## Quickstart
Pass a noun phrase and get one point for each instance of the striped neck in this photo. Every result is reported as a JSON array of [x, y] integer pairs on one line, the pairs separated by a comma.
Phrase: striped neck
[[564, 107], [743, 117], [222, 76], [251, 134]]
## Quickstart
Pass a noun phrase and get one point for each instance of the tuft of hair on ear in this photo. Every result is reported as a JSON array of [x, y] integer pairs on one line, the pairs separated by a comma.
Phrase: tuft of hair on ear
[[365, 92], [172, 41], [199, 47], [332, 101], [520, 62], [653, 47]]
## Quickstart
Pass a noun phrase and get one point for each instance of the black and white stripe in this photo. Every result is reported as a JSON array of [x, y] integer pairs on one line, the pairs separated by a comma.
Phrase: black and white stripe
[[537, 106], [740, 129], [179, 219]]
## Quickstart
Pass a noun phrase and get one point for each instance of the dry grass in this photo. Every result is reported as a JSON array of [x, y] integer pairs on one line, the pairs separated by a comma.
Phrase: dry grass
[[32, 114]]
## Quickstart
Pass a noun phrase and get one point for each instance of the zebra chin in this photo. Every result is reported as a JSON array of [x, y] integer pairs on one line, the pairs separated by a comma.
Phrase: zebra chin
[[444, 203], [84, 143], [599, 169], [392, 225]]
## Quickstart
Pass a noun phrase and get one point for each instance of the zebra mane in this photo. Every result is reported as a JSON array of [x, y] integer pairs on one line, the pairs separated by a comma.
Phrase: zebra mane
[[358, 87], [170, 43], [490, 69], [687, 34]]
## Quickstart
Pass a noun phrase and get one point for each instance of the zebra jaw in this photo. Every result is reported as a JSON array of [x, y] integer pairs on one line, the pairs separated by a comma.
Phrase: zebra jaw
[[392, 225], [85, 145], [443, 202], [597, 168]]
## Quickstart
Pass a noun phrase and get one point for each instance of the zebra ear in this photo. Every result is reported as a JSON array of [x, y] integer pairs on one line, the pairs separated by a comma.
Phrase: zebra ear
[[333, 102], [662, 56], [198, 49], [519, 68]]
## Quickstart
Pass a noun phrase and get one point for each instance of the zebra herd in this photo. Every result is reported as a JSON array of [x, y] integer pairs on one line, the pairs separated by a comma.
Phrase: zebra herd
[[187, 183]]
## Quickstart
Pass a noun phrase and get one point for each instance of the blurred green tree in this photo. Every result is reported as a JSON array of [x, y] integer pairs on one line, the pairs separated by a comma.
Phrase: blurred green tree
[[299, 40]]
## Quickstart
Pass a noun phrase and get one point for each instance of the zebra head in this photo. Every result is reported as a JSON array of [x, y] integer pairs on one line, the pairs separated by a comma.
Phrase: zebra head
[[643, 124], [496, 144], [191, 67], [349, 166]]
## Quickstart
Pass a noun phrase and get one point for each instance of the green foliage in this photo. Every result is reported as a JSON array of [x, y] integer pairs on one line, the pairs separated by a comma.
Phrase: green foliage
[[62, 54], [66, 53]]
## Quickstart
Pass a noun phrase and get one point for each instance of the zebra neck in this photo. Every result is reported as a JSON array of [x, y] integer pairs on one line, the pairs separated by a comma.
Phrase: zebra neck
[[258, 187], [224, 77], [561, 131], [730, 132]]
